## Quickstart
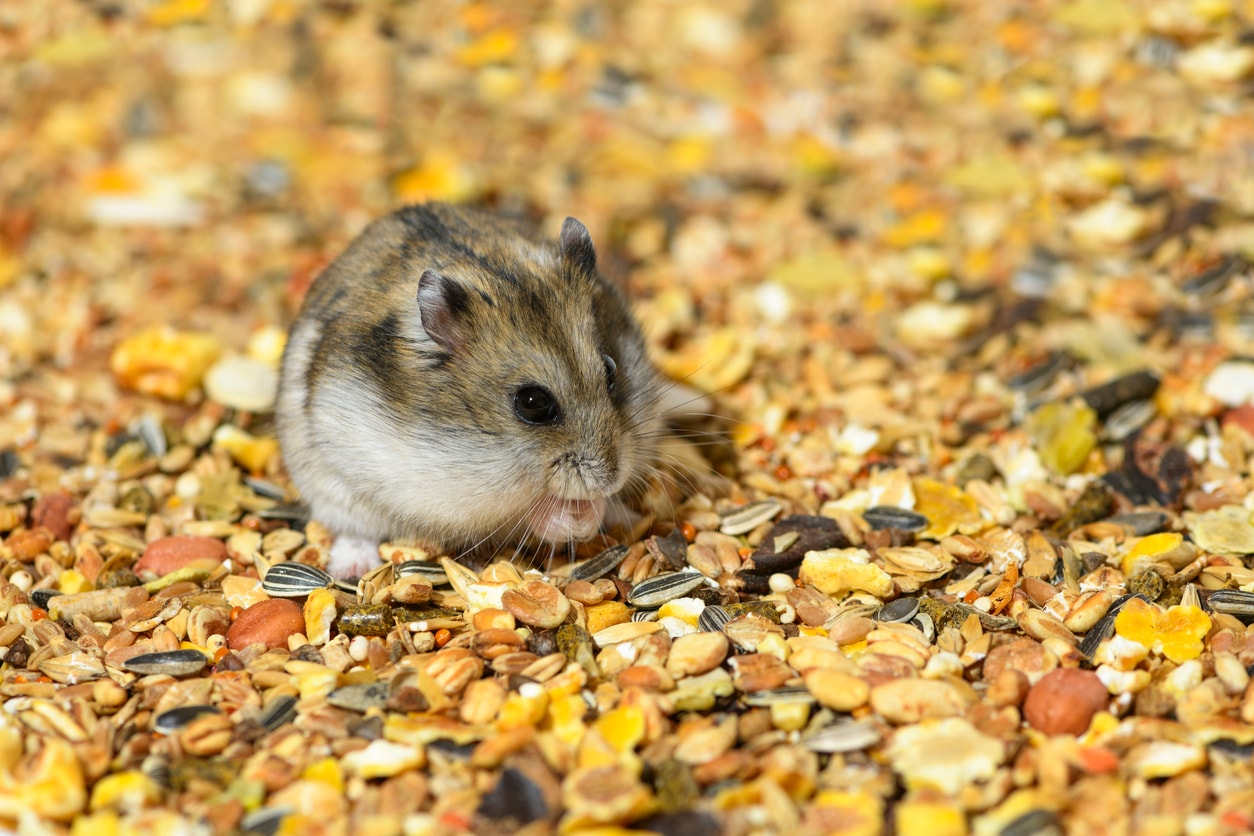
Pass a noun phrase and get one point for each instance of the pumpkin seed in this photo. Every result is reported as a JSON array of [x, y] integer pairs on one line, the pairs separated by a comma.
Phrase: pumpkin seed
[[902, 609], [850, 736], [169, 662], [1232, 602], [428, 569], [653, 592], [713, 619], [745, 519], [887, 517], [169, 722], [280, 711], [601, 565], [787, 695], [361, 697], [294, 580]]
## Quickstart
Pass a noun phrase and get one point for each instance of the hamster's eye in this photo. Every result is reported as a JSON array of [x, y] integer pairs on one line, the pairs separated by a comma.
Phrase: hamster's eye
[[536, 405], [611, 369]]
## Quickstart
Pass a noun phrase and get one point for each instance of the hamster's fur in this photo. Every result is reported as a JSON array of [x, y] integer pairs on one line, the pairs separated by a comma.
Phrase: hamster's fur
[[454, 378]]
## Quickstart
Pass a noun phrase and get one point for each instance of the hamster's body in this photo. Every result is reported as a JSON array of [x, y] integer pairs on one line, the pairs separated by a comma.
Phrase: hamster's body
[[454, 378]]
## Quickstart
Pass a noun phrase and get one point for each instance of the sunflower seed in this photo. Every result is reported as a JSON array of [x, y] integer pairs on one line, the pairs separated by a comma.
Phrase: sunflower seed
[[294, 580], [360, 697], [1215, 278], [1108, 397], [926, 625], [902, 609], [786, 695], [169, 662], [1037, 377], [157, 768], [601, 565], [644, 615], [264, 487], [1129, 418], [849, 736], [745, 519], [286, 512], [713, 619], [148, 430], [1034, 823], [42, 597], [168, 722], [1232, 602], [280, 712], [264, 822], [885, 517], [1105, 627], [428, 569], [1233, 749], [1142, 523], [653, 592]]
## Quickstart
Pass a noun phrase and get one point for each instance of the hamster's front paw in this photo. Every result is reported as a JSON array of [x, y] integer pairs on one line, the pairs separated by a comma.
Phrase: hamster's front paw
[[352, 557]]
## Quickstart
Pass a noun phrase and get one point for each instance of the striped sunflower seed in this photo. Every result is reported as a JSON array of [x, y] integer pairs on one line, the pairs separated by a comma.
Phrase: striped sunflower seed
[[168, 662], [850, 736], [601, 565], [279, 712], [886, 517], [169, 722], [713, 619], [744, 519], [294, 580], [1232, 602], [653, 592], [428, 569]]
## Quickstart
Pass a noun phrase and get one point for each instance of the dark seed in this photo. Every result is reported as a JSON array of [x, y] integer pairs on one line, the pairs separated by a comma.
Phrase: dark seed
[[1105, 627], [428, 569], [279, 712], [777, 696], [653, 592], [264, 487], [1038, 377], [713, 619], [286, 512], [265, 822], [978, 466], [850, 736], [884, 517], [901, 609], [1142, 523], [1214, 279], [42, 597], [1034, 823], [8, 462], [168, 722], [294, 580], [169, 662], [601, 565], [1233, 602], [671, 549], [1108, 397], [1233, 749], [360, 698]]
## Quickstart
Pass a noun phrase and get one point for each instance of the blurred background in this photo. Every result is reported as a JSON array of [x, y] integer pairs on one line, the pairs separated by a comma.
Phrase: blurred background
[[764, 175]]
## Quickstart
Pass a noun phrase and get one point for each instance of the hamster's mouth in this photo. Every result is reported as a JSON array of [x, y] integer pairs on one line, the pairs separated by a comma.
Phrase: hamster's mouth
[[559, 520]]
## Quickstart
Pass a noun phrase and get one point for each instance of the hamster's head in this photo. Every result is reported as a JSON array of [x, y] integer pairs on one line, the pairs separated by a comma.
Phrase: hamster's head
[[526, 394]]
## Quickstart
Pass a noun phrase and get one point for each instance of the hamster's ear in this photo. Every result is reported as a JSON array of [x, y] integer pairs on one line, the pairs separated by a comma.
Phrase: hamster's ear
[[579, 257], [444, 306]]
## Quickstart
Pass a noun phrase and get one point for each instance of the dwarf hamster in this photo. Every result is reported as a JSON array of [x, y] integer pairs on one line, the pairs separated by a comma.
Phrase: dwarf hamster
[[455, 378]]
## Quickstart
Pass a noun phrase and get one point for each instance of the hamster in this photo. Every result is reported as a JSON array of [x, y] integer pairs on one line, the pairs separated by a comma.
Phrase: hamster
[[454, 378]]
